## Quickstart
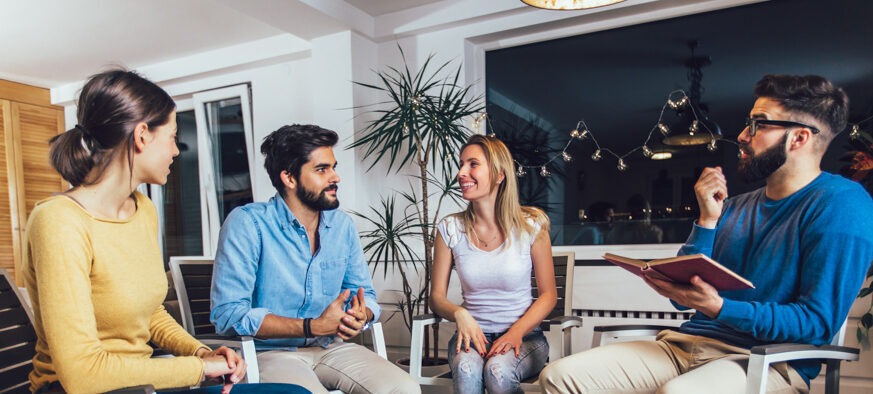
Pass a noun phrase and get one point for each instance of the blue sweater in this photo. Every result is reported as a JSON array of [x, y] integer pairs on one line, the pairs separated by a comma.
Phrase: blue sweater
[[807, 255]]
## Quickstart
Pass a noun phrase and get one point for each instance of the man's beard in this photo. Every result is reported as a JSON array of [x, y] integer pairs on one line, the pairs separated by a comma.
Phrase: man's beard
[[317, 201], [755, 167]]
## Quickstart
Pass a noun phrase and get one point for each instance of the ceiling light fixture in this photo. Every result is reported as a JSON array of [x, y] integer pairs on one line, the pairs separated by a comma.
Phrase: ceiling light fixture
[[694, 115], [661, 155], [569, 4]]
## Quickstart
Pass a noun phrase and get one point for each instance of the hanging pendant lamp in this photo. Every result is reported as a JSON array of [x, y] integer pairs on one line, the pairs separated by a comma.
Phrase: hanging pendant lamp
[[569, 4]]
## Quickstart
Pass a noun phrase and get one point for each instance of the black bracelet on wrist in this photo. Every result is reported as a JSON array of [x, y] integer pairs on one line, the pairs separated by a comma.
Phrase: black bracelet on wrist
[[307, 328]]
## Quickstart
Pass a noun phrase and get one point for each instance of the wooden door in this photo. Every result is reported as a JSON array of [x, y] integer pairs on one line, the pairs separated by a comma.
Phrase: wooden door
[[35, 179], [8, 231]]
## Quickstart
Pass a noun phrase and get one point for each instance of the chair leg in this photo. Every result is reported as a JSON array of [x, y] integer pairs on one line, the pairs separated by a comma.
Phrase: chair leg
[[832, 377], [756, 375], [379, 340], [251, 356], [415, 347]]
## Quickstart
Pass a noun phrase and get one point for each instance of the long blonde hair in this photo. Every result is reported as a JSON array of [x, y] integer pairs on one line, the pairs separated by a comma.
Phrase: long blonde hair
[[510, 215]]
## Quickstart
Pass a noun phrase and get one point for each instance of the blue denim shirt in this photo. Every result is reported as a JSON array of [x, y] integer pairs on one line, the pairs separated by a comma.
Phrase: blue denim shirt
[[264, 265]]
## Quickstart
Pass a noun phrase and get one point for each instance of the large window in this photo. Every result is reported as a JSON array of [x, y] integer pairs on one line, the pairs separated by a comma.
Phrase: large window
[[618, 80], [212, 174]]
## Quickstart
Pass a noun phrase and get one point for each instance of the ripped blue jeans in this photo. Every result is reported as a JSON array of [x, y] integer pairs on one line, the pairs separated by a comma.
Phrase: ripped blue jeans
[[502, 373]]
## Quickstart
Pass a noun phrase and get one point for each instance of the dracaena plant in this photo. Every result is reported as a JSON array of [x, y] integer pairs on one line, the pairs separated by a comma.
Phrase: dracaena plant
[[421, 124]]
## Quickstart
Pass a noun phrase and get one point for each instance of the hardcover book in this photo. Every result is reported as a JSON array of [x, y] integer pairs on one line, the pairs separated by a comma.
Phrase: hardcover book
[[681, 268]]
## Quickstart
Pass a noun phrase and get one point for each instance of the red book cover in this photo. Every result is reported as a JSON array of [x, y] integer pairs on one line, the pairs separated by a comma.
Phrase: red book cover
[[681, 268]]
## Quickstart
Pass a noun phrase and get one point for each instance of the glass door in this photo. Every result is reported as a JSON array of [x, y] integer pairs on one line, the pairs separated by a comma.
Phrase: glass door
[[211, 175], [226, 152]]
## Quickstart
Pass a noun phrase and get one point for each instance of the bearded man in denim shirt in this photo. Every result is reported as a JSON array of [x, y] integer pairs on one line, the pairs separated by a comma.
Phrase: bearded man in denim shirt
[[291, 272]]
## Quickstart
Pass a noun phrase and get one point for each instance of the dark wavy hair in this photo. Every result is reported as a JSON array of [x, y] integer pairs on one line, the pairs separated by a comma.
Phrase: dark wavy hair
[[288, 149], [810, 95], [110, 106]]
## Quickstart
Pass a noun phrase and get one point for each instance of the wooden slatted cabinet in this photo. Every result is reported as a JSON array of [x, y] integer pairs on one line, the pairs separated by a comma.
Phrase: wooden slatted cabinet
[[27, 122]]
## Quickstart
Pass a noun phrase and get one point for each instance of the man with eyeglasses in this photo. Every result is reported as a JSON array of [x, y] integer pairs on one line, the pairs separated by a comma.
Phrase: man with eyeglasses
[[804, 240]]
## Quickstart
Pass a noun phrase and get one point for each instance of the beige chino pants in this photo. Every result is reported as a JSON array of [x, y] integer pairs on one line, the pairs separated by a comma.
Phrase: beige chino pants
[[348, 367], [675, 363]]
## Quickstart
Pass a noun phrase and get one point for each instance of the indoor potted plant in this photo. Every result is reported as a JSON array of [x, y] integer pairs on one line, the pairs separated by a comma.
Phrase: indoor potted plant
[[860, 169], [421, 125]]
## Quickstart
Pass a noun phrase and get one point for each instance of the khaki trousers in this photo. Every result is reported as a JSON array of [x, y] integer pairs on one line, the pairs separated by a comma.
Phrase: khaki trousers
[[674, 363], [348, 367]]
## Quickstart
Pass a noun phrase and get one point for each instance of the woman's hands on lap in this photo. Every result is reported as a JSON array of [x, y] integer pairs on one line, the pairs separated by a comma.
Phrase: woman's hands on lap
[[508, 341], [222, 362], [469, 333]]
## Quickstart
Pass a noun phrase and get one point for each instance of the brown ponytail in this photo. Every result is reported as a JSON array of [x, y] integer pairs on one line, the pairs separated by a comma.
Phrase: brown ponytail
[[110, 106]]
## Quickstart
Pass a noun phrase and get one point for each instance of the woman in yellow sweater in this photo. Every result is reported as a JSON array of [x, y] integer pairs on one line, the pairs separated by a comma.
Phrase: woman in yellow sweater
[[93, 265]]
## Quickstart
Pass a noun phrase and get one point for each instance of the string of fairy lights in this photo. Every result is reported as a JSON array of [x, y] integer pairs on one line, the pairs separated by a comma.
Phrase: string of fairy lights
[[677, 100]]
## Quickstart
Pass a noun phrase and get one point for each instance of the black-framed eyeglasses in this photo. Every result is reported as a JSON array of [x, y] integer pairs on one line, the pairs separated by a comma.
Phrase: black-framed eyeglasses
[[754, 123]]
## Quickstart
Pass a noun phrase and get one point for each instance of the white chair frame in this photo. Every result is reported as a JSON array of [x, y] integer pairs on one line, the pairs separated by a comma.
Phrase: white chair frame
[[761, 357]]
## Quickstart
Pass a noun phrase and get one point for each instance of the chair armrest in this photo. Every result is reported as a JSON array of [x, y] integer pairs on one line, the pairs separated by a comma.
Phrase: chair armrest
[[415, 348], [426, 320], [795, 351], [566, 322], [606, 334], [762, 356], [144, 389]]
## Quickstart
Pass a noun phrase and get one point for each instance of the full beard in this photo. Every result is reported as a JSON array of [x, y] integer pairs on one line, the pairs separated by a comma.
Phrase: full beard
[[318, 201], [755, 167]]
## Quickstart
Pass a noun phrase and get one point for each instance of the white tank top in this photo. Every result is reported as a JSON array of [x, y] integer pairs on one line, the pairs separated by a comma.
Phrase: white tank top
[[495, 285]]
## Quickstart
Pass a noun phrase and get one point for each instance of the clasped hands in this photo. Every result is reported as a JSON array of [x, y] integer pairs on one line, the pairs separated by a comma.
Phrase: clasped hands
[[222, 363], [345, 324], [469, 333]]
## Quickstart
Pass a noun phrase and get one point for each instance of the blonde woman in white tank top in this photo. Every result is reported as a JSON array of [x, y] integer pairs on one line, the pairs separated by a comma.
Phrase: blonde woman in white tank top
[[494, 245]]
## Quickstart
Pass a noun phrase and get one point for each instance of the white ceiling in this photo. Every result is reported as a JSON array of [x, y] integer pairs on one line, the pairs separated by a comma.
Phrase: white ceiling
[[55, 42], [382, 7]]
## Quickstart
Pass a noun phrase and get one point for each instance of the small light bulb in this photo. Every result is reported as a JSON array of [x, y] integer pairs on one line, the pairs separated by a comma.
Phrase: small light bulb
[[621, 166], [694, 127], [544, 172], [596, 156], [520, 172], [664, 129], [574, 133], [855, 133], [682, 102], [712, 147], [672, 104], [492, 135], [585, 133], [647, 152], [566, 156]]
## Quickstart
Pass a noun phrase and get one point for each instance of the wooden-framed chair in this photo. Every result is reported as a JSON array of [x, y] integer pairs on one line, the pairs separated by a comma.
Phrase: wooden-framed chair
[[761, 356], [192, 279], [17, 338], [560, 318], [18, 342]]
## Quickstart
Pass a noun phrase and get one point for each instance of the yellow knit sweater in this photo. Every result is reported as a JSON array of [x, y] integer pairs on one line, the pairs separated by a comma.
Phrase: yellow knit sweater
[[97, 287]]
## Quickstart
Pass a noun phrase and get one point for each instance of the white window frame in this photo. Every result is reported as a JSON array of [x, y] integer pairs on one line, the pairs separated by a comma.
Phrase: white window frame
[[210, 217]]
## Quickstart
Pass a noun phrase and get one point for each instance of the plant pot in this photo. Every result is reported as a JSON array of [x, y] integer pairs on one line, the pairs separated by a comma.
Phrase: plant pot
[[430, 367]]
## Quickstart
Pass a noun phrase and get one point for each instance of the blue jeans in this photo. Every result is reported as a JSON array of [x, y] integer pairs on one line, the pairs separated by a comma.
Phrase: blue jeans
[[261, 388], [502, 373]]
